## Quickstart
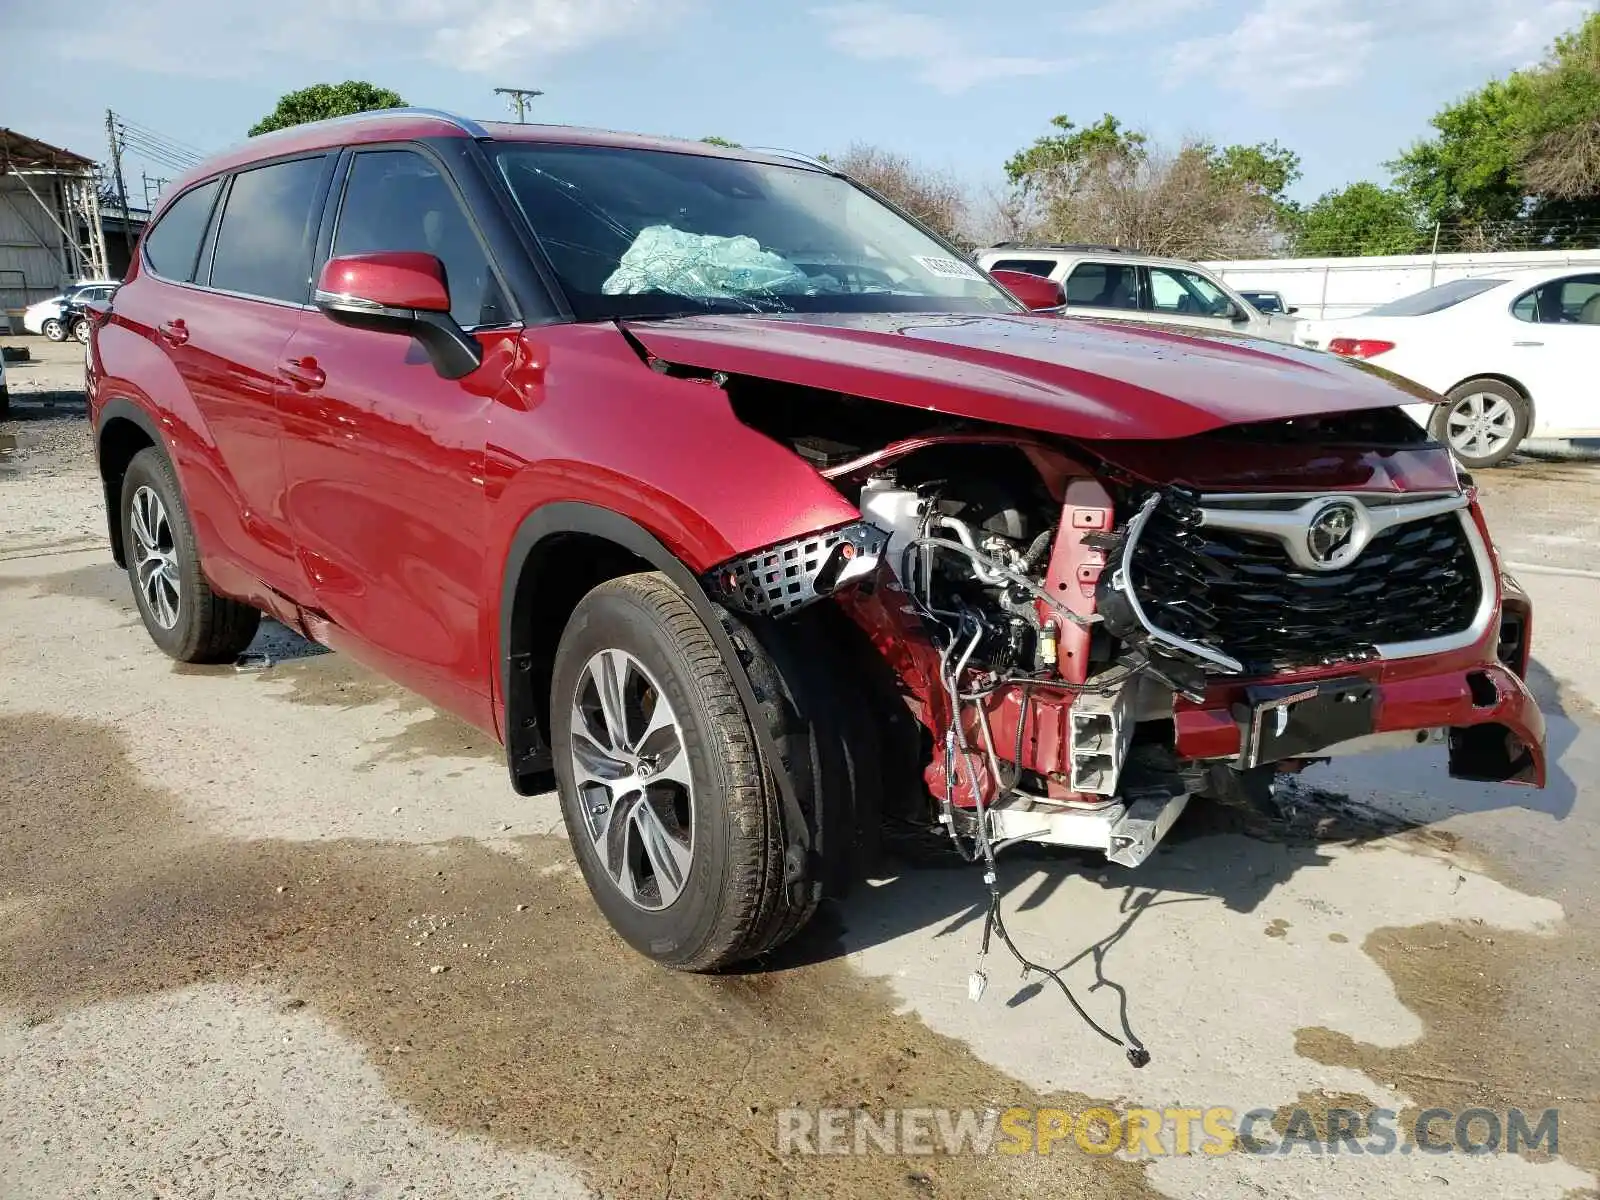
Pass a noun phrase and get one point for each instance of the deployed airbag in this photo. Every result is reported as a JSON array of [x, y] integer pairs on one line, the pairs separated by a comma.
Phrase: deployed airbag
[[704, 266]]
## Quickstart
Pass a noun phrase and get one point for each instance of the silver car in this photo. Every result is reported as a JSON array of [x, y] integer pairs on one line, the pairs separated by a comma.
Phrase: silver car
[[1104, 281]]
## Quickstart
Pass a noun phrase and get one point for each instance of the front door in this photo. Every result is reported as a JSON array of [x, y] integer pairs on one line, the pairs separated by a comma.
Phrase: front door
[[1555, 352], [384, 459]]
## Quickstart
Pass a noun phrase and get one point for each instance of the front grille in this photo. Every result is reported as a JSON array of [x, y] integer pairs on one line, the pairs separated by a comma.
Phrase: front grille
[[1239, 592]]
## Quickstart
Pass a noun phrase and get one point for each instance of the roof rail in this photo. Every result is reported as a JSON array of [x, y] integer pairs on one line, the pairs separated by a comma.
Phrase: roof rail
[[466, 124], [795, 155], [1099, 249]]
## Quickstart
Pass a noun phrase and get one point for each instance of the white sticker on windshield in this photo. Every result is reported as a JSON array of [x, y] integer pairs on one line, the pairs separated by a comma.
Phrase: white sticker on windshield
[[946, 268]]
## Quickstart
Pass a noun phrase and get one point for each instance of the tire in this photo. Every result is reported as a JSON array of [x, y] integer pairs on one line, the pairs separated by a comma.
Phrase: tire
[[5, 402], [1483, 421], [180, 611], [54, 330], [80, 330], [718, 895]]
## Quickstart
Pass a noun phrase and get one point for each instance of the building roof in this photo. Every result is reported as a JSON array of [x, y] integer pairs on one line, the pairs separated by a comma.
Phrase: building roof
[[18, 151]]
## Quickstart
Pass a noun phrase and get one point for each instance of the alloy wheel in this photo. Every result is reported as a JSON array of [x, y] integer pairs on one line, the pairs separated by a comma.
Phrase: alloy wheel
[[1480, 424], [155, 558], [631, 772]]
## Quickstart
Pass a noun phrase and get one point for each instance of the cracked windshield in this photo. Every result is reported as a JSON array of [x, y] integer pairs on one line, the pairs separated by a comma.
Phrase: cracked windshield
[[652, 233]]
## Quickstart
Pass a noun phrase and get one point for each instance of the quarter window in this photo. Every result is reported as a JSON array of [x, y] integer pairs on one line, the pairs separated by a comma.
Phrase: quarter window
[[173, 244], [397, 200], [1103, 285], [268, 226]]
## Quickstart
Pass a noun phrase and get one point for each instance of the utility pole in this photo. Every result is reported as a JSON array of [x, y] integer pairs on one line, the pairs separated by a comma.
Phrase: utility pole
[[122, 187], [520, 99], [152, 189]]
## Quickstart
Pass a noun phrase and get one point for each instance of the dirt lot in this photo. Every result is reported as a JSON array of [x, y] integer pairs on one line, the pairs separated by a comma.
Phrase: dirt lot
[[286, 932]]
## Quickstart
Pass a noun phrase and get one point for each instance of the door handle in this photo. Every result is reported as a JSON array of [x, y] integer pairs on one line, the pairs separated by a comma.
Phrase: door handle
[[1527, 343], [303, 373], [174, 332]]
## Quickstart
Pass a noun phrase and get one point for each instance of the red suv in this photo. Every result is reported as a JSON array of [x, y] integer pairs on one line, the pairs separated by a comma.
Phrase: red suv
[[751, 513]]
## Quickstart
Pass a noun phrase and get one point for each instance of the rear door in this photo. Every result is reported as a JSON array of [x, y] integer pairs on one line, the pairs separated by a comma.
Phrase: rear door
[[1555, 352], [230, 340], [384, 459], [219, 287]]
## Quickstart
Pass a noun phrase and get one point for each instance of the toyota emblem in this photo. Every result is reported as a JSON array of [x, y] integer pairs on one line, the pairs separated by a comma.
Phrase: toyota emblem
[[1331, 535]]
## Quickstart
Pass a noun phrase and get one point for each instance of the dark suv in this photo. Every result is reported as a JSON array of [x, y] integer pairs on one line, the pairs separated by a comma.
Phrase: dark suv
[[756, 518]]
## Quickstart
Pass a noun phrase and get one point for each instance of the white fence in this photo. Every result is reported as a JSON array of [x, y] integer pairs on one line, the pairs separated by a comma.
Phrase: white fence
[[1336, 287]]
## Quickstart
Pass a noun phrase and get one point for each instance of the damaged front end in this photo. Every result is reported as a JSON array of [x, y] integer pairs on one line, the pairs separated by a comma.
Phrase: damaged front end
[[1089, 635]]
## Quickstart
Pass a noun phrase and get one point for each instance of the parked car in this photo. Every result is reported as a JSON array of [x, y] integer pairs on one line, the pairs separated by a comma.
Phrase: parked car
[[1103, 281], [755, 516], [1270, 303], [46, 316], [5, 391], [1514, 356], [74, 318]]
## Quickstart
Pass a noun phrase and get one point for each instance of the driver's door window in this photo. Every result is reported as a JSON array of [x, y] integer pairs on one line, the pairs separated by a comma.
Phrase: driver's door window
[[1178, 293]]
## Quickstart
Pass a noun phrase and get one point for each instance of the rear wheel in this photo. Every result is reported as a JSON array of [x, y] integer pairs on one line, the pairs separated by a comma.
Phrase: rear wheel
[[674, 820], [180, 611], [1483, 422], [54, 330]]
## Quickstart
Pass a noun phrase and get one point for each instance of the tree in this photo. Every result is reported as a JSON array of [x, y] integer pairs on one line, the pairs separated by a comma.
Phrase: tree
[[1107, 183], [720, 141], [1518, 160], [323, 100], [933, 198], [1362, 218]]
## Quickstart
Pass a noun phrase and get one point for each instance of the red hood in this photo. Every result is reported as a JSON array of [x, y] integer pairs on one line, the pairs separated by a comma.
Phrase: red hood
[[1075, 377]]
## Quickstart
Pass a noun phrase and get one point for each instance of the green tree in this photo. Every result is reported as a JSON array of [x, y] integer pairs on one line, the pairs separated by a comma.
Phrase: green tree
[[720, 141], [1362, 218], [1107, 183], [323, 100], [1057, 157], [1520, 157]]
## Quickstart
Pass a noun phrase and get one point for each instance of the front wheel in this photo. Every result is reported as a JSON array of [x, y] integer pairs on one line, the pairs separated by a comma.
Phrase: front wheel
[[180, 611], [80, 330], [54, 330], [673, 819], [1483, 421]]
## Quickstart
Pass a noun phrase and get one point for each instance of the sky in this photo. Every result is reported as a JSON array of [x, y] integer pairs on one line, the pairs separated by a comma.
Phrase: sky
[[956, 86]]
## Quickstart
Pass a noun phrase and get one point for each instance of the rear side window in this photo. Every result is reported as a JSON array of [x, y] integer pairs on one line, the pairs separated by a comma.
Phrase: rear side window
[[173, 245], [264, 244], [397, 200], [1042, 267], [1103, 285]]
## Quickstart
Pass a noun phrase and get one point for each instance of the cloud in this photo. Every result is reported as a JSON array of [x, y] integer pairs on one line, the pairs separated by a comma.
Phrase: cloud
[[1284, 45], [481, 37], [1289, 46], [1134, 16], [940, 53]]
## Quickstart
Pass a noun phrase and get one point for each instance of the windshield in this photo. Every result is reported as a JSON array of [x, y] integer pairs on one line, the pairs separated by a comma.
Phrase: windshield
[[1435, 299], [1266, 302], [639, 233]]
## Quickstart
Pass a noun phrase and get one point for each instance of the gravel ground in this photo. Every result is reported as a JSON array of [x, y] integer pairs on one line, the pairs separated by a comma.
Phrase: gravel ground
[[286, 932]]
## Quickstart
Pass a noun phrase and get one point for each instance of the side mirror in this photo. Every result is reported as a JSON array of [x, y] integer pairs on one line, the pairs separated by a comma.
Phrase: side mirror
[[1237, 314], [1291, 310], [398, 292], [1036, 292]]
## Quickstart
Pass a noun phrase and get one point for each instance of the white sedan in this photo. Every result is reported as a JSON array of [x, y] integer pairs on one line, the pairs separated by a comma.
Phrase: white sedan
[[1514, 356], [45, 316]]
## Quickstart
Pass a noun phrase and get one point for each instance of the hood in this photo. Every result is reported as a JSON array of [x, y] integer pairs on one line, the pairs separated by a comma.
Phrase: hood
[[1071, 376]]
